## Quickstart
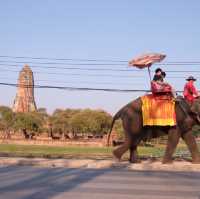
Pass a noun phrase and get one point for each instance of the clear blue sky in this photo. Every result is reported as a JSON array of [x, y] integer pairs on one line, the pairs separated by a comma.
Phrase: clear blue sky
[[91, 29]]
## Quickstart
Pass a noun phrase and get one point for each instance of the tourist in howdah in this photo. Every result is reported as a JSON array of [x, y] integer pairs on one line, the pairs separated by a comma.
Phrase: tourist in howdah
[[158, 75], [159, 86]]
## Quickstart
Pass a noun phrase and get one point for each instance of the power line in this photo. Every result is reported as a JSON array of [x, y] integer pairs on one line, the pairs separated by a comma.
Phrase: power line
[[79, 82], [131, 69], [97, 69], [78, 88], [78, 74], [88, 82], [99, 64], [74, 68], [61, 63], [94, 75], [75, 88], [62, 59], [91, 60]]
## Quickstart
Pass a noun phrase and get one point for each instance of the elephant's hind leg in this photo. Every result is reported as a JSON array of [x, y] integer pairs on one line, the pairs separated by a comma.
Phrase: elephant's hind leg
[[119, 151], [132, 124]]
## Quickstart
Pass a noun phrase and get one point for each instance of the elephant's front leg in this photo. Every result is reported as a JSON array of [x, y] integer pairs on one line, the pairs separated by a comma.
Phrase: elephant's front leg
[[173, 139], [133, 148], [133, 155], [192, 146]]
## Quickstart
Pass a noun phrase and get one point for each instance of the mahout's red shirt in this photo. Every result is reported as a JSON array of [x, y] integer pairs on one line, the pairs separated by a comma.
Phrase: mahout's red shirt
[[190, 92]]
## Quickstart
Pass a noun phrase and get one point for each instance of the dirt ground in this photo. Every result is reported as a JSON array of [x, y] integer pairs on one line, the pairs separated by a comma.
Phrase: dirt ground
[[154, 165]]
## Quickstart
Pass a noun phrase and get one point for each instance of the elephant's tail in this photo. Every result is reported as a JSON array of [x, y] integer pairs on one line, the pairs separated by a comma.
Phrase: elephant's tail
[[116, 117]]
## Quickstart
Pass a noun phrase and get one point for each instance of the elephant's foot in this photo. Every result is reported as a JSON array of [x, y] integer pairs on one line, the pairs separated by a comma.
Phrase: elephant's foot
[[167, 161], [134, 160], [134, 157], [116, 156], [196, 160]]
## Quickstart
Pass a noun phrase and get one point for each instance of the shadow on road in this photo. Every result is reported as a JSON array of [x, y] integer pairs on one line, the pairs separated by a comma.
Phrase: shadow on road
[[45, 182], [26, 182]]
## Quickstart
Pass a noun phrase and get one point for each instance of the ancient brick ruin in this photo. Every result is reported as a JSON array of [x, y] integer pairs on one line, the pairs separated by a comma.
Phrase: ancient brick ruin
[[24, 100]]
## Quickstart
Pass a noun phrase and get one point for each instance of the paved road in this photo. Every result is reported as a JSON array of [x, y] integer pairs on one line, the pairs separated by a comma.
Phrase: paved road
[[26, 182]]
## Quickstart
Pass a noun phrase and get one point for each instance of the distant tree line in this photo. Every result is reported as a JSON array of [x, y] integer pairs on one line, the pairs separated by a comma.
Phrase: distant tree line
[[66, 124], [61, 124]]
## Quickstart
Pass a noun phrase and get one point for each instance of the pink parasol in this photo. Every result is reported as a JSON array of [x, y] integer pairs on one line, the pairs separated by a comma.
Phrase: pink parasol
[[147, 60]]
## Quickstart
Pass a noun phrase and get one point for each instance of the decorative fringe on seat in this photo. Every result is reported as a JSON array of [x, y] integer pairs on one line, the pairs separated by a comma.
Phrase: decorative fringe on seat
[[158, 111]]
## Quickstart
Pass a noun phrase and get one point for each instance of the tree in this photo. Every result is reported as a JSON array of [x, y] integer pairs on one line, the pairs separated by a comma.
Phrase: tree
[[58, 126], [29, 123], [100, 122], [6, 120], [79, 124], [42, 111], [95, 122], [59, 122], [43, 117]]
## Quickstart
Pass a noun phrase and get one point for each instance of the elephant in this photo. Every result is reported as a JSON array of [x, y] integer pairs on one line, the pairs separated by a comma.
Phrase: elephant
[[131, 115]]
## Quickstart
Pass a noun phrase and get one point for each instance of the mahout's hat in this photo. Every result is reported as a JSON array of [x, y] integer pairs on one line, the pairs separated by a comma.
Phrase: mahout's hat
[[191, 78]]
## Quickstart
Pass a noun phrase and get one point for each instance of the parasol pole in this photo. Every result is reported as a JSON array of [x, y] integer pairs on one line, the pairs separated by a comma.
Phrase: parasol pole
[[149, 74]]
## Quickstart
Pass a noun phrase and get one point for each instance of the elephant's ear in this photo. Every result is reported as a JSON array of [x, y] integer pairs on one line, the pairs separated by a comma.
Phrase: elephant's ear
[[195, 108]]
